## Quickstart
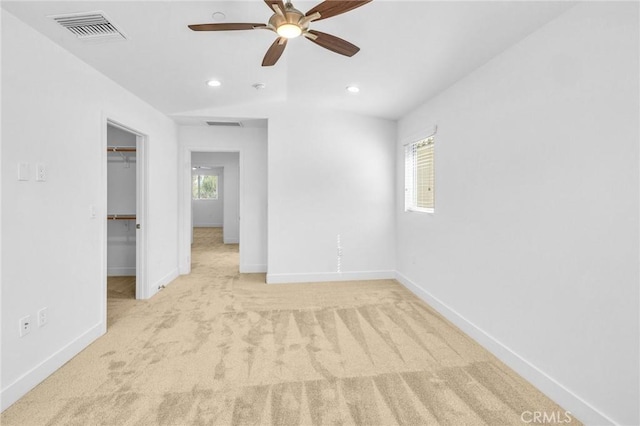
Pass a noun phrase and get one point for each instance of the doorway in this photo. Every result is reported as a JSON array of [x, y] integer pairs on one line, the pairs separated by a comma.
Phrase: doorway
[[125, 232], [215, 199]]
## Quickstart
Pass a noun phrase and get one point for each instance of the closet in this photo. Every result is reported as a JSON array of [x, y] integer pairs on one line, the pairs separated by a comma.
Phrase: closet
[[121, 212]]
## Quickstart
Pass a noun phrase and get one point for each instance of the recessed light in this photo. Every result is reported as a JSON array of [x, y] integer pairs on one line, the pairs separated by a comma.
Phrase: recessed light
[[218, 16], [214, 83], [353, 89]]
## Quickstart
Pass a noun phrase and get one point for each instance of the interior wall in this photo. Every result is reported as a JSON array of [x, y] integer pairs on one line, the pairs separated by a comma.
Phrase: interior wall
[[330, 174], [533, 247], [121, 199], [230, 163], [54, 112], [209, 213], [251, 144]]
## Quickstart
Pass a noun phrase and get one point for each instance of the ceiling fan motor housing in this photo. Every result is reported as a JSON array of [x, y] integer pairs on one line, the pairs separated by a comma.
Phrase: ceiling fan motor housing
[[291, 16]]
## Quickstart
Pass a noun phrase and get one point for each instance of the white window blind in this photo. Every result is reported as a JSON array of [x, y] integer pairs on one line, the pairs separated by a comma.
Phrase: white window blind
[[419, 176]]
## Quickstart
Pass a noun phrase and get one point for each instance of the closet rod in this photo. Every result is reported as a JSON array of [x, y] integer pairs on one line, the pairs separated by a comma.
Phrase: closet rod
[[121, 217], [121, 149]]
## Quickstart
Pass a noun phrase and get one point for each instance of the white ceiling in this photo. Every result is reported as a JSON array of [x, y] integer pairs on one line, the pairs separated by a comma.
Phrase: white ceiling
[[410, 50]]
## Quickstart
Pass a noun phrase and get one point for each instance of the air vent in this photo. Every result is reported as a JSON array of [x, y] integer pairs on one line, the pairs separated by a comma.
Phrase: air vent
[[225, 123], [90, 25]]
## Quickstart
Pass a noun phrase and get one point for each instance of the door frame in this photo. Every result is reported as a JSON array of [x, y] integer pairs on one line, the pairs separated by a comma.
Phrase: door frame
[[142, 290]]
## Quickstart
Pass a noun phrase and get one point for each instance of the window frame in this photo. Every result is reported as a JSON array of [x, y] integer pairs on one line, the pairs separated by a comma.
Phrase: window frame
[[199, 176], [410, 200]]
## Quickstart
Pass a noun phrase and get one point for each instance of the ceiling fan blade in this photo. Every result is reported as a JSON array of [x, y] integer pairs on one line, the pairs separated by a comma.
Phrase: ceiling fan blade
[[274, 52], [329, 8], [278, 3], [225, 27], [333, 43]]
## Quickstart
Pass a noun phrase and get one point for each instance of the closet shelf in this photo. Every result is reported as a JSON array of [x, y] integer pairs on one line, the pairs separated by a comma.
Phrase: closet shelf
[[121, 217], [121, 149]]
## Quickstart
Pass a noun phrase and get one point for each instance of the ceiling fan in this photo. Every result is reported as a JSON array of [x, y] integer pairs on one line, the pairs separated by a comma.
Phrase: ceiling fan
[[288, 22]]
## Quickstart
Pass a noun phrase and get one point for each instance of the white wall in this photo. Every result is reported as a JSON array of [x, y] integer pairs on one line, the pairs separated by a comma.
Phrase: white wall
[[533, 248], [230, 184], [330, 174], [54, 111], [207, 212], [121, 199], [251, 144]]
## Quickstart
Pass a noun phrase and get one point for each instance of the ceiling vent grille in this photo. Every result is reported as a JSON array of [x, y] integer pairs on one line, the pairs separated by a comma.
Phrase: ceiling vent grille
[[90, 25], [225, 123]]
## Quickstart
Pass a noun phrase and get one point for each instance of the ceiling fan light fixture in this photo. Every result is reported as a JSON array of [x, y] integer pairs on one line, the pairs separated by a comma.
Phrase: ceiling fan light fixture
[[214, 83], [289, 30]]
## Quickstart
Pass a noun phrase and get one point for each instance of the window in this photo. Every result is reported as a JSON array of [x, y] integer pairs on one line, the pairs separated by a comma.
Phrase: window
[[419, 176], [204, 187]]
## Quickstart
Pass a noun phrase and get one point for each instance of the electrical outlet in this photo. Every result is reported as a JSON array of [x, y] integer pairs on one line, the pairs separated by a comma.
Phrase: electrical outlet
[[25, 325], [41, 172], [42, 317]]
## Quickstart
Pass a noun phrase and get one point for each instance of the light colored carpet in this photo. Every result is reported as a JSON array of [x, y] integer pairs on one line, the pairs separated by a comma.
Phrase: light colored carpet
[[218, 347]]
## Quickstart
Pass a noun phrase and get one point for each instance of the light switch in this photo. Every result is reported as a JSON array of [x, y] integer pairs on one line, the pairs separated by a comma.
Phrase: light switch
[[41, 172], [23, 171]]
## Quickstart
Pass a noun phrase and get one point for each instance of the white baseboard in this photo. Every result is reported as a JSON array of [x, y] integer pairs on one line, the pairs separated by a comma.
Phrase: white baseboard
[[253, 269], [329, 276], [230, 241], [578, 407], [185, 265], [29, 380], [121, 271], [207, 225]]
